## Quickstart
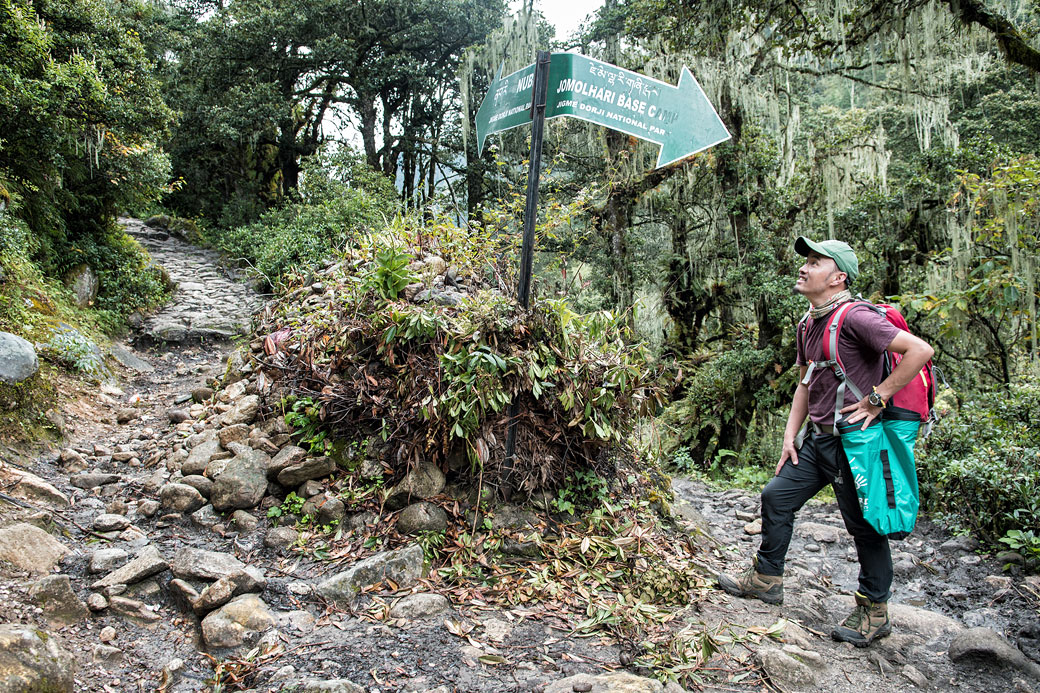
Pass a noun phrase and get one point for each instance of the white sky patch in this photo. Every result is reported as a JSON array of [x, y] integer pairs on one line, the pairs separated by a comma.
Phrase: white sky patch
[[565, 15]]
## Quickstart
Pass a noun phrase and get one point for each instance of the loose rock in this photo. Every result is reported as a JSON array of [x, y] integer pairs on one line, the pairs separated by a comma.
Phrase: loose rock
[[30, 548], [146, 563], [180, 498], [61, 606], [198, 564], [985, 644], [18, 360], [32, 660], [238, 622], [403, 567]]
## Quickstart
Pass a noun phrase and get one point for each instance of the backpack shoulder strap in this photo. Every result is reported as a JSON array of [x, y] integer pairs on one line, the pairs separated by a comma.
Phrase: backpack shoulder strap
[[833, 358]]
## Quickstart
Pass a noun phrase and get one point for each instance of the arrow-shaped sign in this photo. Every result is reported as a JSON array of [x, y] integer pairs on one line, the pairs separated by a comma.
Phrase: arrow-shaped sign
[[679, 118]]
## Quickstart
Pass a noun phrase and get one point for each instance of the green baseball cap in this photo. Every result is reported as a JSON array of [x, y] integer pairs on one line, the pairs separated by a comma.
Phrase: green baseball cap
[[839, 251]]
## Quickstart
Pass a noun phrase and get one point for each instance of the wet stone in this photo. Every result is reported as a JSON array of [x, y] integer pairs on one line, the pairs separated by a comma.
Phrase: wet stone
[[110, 523], [181, 498], [89, 480], [191, 563]]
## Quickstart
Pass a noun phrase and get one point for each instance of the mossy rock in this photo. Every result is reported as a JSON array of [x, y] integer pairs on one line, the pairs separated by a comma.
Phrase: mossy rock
[[185, 229], [158, 221]]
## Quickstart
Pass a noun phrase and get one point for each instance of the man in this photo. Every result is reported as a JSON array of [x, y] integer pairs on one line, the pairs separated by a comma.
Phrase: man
[[830, 269]]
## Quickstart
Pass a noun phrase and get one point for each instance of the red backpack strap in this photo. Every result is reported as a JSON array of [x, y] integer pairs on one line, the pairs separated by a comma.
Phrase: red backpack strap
[[833, 358]]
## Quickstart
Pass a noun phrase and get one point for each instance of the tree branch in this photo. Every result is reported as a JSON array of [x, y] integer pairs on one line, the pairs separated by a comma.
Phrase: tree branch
[[1013, 44]]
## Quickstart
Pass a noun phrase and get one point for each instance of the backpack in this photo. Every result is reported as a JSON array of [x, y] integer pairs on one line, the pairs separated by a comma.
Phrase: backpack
[[917, 396], [881, 457]]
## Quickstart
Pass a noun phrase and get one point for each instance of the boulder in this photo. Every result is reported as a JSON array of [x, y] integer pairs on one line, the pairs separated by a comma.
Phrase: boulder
[[243, 412], [787, 672], [110, 522], [32, 661], [684, 513], [202, 484], [129, 359], [239, 622], [233, 434], [146, 563], [202, 394], [422, 517], [181, 498], [202, 452], [309, 468], [512, 517], [818, 532], [133, 609], [421, 605], [206, 517], [421, 482], [325, 509], [280, 538], [242, 483], [28, 547], [985, 644], [61, 606], [29, 487], [89, 480], [106, 560], [84, 283], [18, 359], [289, 456], [243, 521], [199, 564], [403, 567]]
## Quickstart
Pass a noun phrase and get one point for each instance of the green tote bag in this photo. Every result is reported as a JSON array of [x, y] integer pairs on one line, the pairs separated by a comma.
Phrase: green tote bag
[[882, 463]]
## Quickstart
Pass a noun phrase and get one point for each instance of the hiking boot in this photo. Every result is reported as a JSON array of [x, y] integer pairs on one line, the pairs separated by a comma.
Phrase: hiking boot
[[753, 584], [868, 622]]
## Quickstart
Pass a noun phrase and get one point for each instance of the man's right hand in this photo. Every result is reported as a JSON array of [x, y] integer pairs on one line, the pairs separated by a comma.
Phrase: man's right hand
[[789, 452]]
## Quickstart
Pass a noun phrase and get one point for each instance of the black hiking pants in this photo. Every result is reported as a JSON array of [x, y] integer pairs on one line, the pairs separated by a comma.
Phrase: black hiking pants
[[822, 461]]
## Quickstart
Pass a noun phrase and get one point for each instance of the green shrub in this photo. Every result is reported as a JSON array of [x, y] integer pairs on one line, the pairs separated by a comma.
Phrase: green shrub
[[338, 199], [128, 280], [981, 467]]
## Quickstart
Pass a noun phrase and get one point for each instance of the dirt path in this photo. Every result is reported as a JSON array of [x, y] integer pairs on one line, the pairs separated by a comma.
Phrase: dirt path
[[138, 597]]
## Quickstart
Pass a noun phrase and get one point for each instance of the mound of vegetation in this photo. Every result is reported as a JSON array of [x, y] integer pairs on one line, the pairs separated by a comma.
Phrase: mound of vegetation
[[410, 339]]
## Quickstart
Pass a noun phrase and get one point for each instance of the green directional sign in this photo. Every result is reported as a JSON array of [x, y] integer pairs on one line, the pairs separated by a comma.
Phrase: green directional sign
[[679, 118]]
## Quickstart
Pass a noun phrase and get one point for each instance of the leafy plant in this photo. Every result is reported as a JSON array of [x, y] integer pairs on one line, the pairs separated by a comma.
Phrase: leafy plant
[[292, 505], [1026, 542], [583, 489], [73, 349], [389, 273], [304, 417]]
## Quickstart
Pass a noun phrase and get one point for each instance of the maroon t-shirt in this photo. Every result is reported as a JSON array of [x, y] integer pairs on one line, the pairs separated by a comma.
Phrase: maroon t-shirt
[[864, 338]]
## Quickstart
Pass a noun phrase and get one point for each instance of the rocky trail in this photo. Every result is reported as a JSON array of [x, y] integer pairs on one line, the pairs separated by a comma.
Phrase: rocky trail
[[140, 556]]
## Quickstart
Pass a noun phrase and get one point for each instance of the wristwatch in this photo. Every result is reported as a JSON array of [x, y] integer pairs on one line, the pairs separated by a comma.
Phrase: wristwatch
[[874, 399]]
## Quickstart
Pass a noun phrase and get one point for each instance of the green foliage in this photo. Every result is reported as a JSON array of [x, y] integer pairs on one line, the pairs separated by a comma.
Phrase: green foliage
[[74, 350], [260, 85], [81, 115], [1025, 542], [583, 490], [304, 418], [980, 468], [389, 272], [339, 199], [292, 505]]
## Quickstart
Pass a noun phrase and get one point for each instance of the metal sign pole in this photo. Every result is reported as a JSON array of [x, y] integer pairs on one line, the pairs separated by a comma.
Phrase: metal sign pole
[[523, 293]]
